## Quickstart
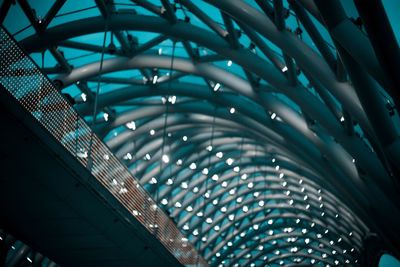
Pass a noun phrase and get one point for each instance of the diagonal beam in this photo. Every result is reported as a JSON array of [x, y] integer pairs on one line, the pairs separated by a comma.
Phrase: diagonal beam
[[169, 11], [203, 17], [4, 9], [52, 13], [232, 36], [149, 6]]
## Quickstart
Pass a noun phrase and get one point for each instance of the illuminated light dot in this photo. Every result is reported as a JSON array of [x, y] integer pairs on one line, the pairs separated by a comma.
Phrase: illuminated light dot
[[131, 125], [164, 201], [179, 162], [195, 232], [223, 209], [216, 228], [152, 132], [224, 184], [192, 166], [170, 181], [153, 180], [250, 185], [215, 177], [165, 158], [184, 138], [261, 203], [204, 171], [200, 214], [273, 115], [208, 220], [229, 161], [270, 221], [184, 185], [178, 204], [219, 155], [209, 148], [245, 209], [216, 87], [189, 208], [232, 110], [244, 176], [229, 63]]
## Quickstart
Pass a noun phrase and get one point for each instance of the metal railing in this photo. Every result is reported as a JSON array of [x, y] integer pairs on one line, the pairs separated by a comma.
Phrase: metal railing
[[36, 93]]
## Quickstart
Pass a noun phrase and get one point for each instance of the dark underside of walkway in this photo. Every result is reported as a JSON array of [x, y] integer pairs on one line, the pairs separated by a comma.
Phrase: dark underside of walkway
[[50, 202]]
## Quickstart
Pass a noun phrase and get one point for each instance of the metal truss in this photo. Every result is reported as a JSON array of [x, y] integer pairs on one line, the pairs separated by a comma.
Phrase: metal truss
[[290, 158]]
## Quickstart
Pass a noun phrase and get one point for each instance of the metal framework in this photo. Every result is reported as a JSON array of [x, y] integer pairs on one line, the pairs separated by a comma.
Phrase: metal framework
[[266, 144]]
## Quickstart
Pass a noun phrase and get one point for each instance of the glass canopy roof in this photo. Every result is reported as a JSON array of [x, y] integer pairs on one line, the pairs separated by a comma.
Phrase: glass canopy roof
[[247, 121]]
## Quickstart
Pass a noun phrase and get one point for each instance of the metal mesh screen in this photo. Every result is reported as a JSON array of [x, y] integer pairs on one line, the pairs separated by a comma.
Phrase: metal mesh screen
[[24, 80]]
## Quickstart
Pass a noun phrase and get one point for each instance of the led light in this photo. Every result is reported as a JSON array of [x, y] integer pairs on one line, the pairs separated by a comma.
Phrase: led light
[[165, 158], [189, 208], [128, 156], [152, 132], [208, 220], [236, 169], [195, 232], [229, 63], [216, 87], [255, 227], [353, 160], [281, 175], [195, 189], [204, 239], [148, 157], [224, 184], [244, 176], [223, 209], [239, 199], [297, 220], [215, 202], [217, 254], [229, 244], [304, 230], [209, 148], [342, 119], [231, 217], [178, 204], [261, 203], [29, 259], [307, 240], [277, 167], [192, 166], [153, 180], [164, 201], [185, 227], [284, 183], [184, 138], [250, 185], [84, 97], [305, 197], [232, 110], [184, 185], [172, 99], [245, 209], [131, 125], [105, 115], [169, 181], [135, 212], [232, 191], [284, 69], [179, 162], [215, 177], [270, 221], [219, 155], [155, 79], [300, 181], [273, 115], [216, 228]]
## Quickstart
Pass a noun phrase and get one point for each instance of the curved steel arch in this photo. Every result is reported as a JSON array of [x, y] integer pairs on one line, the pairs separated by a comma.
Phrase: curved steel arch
[[309, 134]]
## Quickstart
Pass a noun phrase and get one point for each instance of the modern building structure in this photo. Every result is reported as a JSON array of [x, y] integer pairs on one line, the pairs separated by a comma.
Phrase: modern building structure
[[199, 133]]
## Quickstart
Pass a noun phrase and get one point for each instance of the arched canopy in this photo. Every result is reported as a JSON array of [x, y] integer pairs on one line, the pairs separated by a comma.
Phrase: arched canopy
[[268, 130]]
